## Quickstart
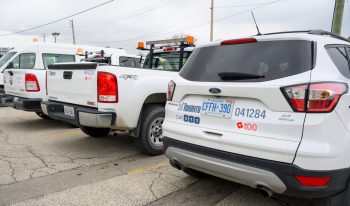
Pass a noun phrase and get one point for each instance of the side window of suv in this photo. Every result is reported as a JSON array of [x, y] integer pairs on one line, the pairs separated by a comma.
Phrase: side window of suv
[[24, 61], [340, 58]]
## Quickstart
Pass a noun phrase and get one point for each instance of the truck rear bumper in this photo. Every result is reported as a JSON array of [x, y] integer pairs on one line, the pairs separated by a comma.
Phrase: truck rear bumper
[[254, 172], [20, 103], [83, 116]]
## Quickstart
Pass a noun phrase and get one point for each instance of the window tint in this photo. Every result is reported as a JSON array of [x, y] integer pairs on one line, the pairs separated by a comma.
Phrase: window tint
[[127, 62], [57, 58], [6, 57], [24, 61], [252, 62], [339, 57], [169, 61]]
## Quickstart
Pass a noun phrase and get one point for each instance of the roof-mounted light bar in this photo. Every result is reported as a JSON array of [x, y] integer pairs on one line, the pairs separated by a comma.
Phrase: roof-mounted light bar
[[187, 39]]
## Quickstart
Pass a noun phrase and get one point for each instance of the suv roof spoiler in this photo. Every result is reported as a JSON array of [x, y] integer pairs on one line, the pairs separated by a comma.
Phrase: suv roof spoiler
[[313, 32]]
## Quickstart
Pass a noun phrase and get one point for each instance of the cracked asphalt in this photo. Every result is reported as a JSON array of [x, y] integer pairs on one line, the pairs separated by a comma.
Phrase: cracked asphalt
[[46, 162]]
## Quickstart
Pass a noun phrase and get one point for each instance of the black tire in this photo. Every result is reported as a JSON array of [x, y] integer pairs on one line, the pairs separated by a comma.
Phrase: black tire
[[341, 199], [152, 118], [42, 115], [195, 173], [95, 132]]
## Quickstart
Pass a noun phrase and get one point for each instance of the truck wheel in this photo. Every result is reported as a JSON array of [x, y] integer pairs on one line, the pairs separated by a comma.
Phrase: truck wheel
[[336, 200], [151, 133], [95, 132], [42, 115]]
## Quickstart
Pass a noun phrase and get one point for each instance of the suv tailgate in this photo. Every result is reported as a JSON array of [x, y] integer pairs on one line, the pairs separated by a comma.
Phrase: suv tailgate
[[73, 83], [237, 103]]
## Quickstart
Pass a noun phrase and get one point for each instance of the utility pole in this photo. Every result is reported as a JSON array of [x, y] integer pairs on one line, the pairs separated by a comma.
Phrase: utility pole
[[338, 16], [72, 27], [44, 36], [212, 21], [55, 35]]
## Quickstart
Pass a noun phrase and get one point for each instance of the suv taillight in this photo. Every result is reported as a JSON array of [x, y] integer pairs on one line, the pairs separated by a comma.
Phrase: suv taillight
[[31, 83], [107, 88], [171, 89], [316, 97]]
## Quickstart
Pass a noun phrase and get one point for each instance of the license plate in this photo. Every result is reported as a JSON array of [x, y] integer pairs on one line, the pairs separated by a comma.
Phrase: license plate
[[217, 107], [68, 111]]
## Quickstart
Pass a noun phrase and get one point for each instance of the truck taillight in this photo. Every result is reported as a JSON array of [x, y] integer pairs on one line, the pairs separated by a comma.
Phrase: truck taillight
[[171, 89], [316, 97], [31, 83], [107, 88]]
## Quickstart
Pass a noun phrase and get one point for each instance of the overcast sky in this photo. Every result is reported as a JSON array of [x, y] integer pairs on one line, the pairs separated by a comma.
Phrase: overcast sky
[[123, 23]]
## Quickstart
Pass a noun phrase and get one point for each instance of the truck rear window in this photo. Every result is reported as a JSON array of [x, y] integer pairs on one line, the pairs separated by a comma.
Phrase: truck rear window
[[57, 58], [167, 61], [252, 62]]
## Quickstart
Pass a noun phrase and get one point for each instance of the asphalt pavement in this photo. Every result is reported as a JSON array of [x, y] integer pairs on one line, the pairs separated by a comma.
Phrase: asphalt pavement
[[46, 162]]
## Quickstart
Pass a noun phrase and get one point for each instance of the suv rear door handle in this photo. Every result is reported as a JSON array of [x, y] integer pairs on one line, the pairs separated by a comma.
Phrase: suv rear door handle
[[67, 75], [11, 73]]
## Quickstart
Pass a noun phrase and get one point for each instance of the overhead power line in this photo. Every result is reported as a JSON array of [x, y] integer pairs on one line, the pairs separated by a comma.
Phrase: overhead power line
[[150, 6], [157, 31], [55, 21], [134, 14], [197, 25], [240, 5]]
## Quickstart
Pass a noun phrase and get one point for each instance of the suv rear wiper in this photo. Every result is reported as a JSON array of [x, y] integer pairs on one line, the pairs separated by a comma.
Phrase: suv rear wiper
[[227, 76]]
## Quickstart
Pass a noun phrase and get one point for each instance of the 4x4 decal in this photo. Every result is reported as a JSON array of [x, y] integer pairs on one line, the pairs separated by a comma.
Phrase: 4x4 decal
[[129, 76]]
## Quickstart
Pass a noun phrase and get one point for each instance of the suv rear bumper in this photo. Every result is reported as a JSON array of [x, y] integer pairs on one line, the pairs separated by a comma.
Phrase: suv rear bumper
[[254, 172], [83, 116], [20, 103]]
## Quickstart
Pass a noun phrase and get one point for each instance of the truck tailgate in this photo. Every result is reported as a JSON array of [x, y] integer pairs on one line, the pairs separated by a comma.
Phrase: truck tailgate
[[73, 83]]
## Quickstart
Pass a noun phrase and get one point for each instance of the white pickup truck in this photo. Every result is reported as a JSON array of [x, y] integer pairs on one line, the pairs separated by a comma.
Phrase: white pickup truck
[[25, 75], [102, 98]]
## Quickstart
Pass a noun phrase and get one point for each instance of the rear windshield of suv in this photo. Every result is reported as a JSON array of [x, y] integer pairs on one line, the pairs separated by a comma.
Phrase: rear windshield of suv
[[251, 62]]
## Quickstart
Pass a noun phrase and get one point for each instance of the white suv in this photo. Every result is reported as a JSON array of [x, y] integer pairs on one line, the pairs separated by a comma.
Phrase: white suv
[[271, 112]]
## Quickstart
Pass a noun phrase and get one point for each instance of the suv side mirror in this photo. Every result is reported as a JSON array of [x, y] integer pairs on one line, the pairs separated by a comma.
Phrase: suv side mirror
[[9, 66]]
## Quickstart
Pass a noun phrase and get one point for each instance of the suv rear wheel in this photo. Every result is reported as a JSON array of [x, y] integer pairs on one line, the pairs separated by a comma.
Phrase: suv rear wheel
[[151, 132], [95, 132]]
